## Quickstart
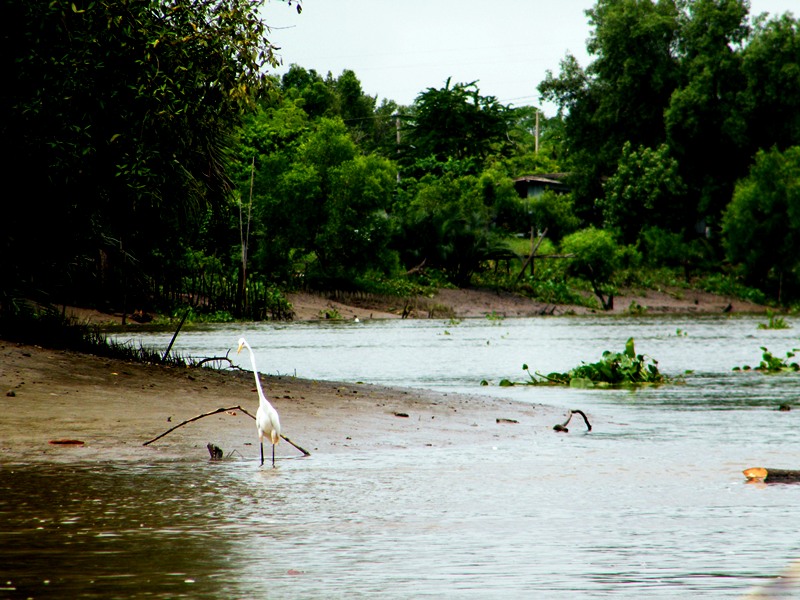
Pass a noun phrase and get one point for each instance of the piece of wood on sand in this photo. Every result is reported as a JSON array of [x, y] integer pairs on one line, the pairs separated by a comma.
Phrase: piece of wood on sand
[[230, 410], [562, 427], [772, 475]]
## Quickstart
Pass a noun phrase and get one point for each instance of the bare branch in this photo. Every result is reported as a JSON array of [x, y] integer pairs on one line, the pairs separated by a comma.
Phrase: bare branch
[[187, 421], [200, 363], [216, 412], [562, 427]]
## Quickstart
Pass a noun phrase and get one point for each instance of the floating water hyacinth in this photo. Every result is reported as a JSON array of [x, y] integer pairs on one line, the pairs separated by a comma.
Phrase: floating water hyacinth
[[614, 369]]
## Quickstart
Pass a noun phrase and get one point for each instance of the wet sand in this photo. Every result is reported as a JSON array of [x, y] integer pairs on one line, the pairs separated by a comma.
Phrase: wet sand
[[113, 407]]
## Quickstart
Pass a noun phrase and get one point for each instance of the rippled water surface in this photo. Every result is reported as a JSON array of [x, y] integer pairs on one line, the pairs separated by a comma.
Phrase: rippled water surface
[[650, 504]]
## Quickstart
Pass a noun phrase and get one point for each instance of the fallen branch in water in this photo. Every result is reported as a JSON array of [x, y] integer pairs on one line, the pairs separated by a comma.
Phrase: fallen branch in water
[[216, 412], [772, 475], [562, 427]]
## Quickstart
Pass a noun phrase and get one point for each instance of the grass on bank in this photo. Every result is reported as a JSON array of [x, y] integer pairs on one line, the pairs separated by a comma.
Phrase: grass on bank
[[22, 322]]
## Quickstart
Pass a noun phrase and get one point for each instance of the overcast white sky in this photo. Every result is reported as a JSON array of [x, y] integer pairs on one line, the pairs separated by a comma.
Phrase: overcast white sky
[[399, 48]]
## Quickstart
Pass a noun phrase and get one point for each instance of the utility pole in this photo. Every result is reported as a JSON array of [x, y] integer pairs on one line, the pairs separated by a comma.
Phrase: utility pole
[[397, 129], [245, 236], [536, 135]]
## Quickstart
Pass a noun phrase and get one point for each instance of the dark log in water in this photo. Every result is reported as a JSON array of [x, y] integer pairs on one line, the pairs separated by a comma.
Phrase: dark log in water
[[772, 475]]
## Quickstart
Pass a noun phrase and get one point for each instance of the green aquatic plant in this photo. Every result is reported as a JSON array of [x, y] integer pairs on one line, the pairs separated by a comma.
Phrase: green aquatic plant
[[613, 369], [774, 322], [330, 313], [634, 308], [773, 364]]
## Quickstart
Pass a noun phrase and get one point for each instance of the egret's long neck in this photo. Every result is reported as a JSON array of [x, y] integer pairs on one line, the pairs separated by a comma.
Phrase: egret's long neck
[[255, 372]]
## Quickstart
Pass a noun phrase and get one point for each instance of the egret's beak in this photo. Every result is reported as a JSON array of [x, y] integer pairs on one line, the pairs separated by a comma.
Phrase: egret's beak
[[240, 348]]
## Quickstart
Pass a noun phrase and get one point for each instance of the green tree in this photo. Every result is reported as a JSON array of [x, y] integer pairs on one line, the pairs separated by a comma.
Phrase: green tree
[[771, 67], [634, 71], [646, 190], [554, 212], [121, 116], [320, 205], [620, 96], [355, 107], [372, 126], [761, 226], [355, 236], [597, 258], [706, 131], [318, 98], [454, 123], [446, 223]]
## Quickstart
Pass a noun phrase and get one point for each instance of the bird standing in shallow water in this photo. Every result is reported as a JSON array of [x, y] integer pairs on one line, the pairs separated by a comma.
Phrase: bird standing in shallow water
[[267, 422]]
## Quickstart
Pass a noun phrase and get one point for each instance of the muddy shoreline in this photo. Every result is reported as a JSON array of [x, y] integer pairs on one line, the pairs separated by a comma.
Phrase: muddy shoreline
[[113, 406]]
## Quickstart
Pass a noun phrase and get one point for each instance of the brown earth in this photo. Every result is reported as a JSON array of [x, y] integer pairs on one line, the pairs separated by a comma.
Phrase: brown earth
[[473, 303], [113, 406]]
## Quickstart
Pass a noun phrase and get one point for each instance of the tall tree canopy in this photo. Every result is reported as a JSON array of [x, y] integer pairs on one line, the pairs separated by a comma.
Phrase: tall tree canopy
[[455, 124], [621, 95], [706, 129], [118, 116], [762, 223], [700, 76]]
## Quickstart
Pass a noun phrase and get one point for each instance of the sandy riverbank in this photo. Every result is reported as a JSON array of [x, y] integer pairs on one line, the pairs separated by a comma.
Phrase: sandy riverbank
[[476, 303], [113, 407]]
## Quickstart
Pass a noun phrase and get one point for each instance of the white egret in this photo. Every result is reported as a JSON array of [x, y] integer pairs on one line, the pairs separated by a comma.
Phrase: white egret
[[267, 421]]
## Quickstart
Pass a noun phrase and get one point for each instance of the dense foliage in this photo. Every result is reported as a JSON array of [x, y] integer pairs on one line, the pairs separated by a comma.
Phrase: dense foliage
[[698, 83], [118, 117], [762, 222], [163, 167]]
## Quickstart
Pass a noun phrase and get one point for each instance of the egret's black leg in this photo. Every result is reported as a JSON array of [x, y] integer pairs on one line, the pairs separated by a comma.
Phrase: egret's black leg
[[273, 456], [262, 454]]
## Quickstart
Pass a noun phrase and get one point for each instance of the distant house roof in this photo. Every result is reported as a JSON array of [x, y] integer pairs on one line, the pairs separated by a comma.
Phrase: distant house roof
[[528, 186], [544, 176]]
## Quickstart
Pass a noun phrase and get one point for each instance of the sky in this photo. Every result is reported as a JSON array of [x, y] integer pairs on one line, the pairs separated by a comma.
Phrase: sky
[[400, 48]]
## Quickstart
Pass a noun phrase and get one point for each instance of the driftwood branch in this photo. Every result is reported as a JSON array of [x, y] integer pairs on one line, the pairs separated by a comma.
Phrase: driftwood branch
[[216, 359], [303, 450], [562, 427], [418, 268], [216, 412], [772, 475], [193, 419]]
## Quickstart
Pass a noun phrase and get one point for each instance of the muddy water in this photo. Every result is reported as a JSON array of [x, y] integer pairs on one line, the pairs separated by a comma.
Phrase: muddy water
[[650, 504]]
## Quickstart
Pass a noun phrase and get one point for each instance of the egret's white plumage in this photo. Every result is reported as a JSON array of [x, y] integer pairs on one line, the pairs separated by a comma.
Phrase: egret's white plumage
[[267, 422]]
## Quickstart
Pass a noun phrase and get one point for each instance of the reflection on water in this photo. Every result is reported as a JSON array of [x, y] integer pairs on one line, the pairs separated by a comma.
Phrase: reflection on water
[[651, 504], [569, 516], [112, 530]]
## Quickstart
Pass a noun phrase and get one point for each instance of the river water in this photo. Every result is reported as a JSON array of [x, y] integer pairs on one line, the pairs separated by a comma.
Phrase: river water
[[651, 504]]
